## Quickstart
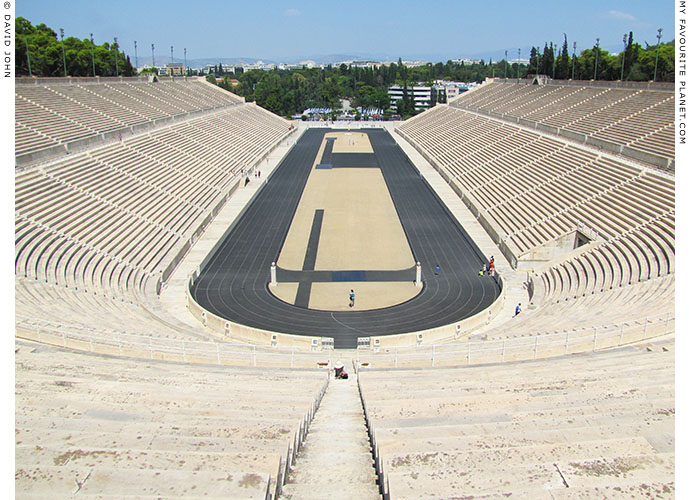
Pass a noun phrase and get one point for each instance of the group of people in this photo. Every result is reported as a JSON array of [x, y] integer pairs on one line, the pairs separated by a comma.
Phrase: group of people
[[490, 271], [246, 175]]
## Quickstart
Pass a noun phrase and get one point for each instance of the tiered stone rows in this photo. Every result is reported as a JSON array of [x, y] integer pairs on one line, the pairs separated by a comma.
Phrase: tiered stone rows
[[645, 253], [641, 119], [101, 315], [535, 188], [110, 219], [563, 303], [578, 427], [113, 427], [95, 231], [49, 115]]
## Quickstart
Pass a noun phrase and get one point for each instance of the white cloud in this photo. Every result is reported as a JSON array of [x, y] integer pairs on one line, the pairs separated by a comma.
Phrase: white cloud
[[291, 13], [616, 14]]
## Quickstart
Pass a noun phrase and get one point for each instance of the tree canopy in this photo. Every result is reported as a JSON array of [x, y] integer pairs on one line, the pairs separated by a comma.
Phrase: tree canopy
[[635, 62], [81, 56]]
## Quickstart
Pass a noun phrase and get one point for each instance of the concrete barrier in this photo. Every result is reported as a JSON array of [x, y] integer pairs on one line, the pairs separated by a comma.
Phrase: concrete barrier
[[35, 156], [609, 146], [643, 156], [572, 135], [527, 123], [85, 143], [549, 129]]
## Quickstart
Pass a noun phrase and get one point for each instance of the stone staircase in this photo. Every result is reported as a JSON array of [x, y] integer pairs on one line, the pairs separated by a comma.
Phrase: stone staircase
[[335, 461]]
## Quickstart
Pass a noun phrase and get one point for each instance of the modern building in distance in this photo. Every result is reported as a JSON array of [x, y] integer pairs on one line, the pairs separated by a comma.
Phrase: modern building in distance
[[424, 97], [465, 60], [175, 69], [452, 89]]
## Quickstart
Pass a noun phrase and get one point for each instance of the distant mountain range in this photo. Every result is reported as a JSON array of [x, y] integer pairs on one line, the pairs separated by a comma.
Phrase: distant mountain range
[[495, 55], [199, 62]]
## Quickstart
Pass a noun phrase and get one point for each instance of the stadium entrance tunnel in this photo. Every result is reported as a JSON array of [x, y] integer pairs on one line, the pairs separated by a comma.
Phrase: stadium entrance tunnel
[[357, 227], [559, 247]]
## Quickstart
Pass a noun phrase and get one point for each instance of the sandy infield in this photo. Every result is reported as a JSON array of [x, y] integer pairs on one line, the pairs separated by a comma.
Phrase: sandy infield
[[360, 231]]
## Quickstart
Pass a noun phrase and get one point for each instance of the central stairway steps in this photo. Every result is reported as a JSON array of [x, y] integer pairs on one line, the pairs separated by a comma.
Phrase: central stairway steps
[[335, 461]]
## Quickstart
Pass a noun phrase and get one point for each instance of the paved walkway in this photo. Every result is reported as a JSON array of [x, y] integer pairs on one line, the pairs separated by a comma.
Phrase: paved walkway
[[335, 461]]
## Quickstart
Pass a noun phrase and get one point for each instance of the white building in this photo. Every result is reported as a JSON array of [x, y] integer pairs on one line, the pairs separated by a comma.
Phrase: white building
[[464, 60], [453, 89], [424, 97]]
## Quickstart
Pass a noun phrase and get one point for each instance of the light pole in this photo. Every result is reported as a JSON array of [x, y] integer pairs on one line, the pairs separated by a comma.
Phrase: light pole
[[658, 42], [115, 45], [136, 58], [574, 50], [553, 52], [28, 57], [519, 50], [172, 72], [62, 37], [596, 61], [625, 47], [153, 57], [93, 57], [185, 62], [505, 67]]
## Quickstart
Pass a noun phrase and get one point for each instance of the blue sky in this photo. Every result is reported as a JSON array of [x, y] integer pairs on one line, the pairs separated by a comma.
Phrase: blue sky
[[286, 30]]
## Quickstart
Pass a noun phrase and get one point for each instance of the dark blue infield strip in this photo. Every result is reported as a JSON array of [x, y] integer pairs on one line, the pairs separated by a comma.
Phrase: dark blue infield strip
[[233, 285], [304, 289], [325, 276], [328, 150]]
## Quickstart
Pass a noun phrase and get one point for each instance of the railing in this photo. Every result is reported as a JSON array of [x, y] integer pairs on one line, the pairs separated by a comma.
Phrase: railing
[[384, 488], [521, 348], [296, 445], [187, 351]]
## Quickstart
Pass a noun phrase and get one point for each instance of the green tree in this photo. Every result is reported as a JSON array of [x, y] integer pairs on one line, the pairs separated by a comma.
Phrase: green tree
[[45, 51], [563, 63]]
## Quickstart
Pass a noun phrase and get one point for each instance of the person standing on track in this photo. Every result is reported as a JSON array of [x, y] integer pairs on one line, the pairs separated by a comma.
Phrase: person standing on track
[[352, 298]]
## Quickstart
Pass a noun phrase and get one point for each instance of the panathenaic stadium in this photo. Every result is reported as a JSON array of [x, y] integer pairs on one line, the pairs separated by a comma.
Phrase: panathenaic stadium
[[191, 269]]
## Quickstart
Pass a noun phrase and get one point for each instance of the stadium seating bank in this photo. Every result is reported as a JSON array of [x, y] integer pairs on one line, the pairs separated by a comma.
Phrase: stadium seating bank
[[56, 116], [632, 119], [102, 229]]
